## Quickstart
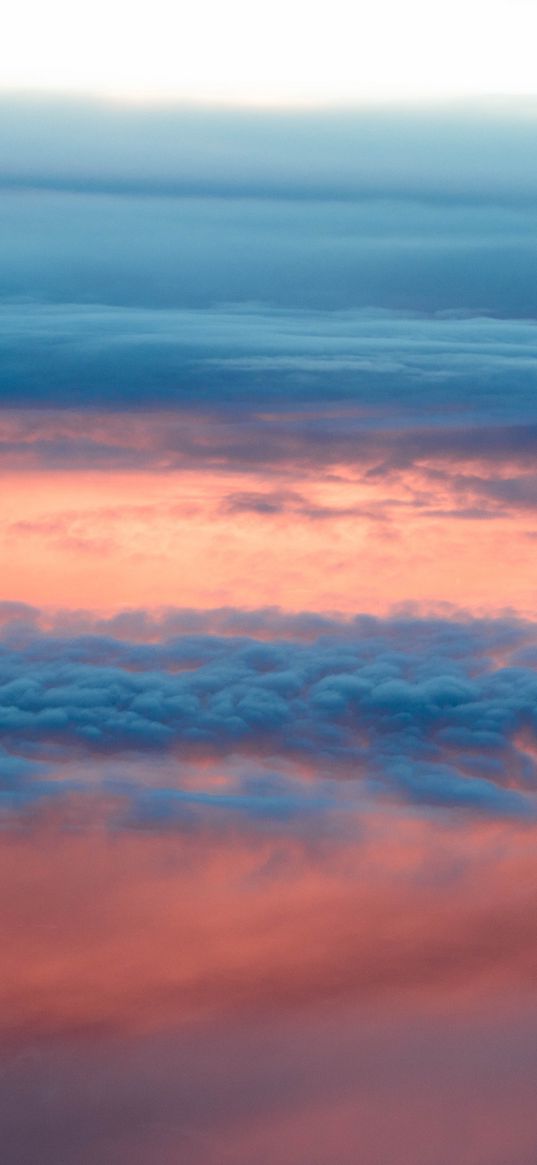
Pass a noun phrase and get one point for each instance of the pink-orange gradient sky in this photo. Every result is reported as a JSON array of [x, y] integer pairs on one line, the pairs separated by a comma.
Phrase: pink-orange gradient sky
[[343, 533], [268, 636]]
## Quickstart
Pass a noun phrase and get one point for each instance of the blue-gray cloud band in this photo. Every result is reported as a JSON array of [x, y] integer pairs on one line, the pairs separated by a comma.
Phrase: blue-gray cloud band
[[449, 152], [421, 708], [395, 367]]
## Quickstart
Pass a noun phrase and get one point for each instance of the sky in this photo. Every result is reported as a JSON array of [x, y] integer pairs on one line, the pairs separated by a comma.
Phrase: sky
[[268, 632], [273, 54]]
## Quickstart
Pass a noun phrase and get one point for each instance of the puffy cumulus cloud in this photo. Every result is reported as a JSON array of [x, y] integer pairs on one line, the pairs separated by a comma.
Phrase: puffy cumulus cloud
[[436, 711], [448, 630], [141, 625]]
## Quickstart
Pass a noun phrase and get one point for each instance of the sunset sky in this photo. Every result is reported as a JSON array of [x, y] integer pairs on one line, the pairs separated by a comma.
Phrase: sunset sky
[[268, 621]]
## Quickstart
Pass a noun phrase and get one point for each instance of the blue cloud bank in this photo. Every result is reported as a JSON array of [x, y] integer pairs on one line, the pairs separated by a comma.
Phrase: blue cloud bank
[[380, 257], [418, 709]]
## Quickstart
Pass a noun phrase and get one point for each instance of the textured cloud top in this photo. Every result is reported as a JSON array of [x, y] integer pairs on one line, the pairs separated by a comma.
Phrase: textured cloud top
[[436, 712], [268, 634]]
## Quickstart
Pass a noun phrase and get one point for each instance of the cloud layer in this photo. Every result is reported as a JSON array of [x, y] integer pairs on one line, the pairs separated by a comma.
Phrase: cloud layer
[[267, 872], [449, 152], [423, 710]]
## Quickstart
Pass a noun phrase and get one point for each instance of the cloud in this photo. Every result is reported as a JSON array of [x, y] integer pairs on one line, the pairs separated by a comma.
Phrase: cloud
[[271, 503], [418, 708], [298, 1089], [149, 928], [448, 154], [305, 341], [389, 366]]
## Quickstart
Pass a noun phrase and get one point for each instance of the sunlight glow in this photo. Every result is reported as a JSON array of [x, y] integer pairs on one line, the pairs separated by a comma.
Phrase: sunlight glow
[[285, 52]]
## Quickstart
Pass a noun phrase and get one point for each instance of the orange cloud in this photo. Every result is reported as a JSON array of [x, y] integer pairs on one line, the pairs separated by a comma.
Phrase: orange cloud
[[206, 539], [135, 931]]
